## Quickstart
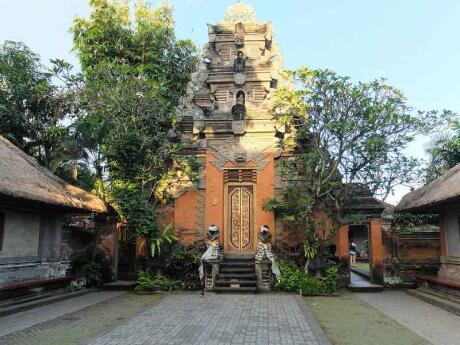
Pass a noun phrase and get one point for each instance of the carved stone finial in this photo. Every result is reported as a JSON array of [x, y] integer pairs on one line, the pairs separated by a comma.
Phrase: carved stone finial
[[240, 13]]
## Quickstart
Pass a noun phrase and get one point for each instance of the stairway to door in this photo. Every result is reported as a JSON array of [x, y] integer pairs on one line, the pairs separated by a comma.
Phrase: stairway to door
[[237, 274]]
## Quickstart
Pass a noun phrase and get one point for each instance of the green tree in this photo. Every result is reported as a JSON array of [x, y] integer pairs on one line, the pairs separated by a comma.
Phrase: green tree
[[134, 72], [347, 137], [33, 105], [443, 152]]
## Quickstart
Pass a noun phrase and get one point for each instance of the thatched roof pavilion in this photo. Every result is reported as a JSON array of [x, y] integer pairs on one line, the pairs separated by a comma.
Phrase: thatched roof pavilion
[[432, 197], [24, 182]]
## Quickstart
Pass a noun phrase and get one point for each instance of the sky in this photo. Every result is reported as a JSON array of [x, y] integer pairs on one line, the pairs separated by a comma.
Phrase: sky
[[414, 44]]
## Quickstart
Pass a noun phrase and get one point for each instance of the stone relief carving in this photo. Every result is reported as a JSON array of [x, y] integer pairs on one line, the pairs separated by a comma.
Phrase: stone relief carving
[[231, 150], [187, 106], [240, 78], [239, 65], [239, 34], [239, 109], [239, 127], [391, 269], [239, 68]]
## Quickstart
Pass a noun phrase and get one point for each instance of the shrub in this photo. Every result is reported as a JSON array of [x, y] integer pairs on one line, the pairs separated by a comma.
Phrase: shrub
[[93, 271], [294, 280], [331, 280], [147, 282], [94, 274], [182, 264]]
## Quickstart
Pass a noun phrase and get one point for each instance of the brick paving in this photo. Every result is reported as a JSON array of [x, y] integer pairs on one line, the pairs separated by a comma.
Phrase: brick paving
[[79, 320], [28, 318], [437, 326], [218, 320]]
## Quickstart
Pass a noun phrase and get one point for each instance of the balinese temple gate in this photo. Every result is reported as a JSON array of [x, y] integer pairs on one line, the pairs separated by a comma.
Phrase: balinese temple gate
[[227, 122]]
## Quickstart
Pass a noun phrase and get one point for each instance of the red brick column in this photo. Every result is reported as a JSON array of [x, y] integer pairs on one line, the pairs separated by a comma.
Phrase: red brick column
[[343, 247], [343, 253], [375, 250]]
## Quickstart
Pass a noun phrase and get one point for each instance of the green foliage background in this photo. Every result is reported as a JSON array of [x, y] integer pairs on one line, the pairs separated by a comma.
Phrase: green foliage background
[[134, 72]]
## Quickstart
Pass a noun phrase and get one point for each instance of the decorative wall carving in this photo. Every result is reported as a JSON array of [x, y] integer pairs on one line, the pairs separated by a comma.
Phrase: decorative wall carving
[[235, 218], [239, 127], [232, 151], [245, 217], [240, 78]]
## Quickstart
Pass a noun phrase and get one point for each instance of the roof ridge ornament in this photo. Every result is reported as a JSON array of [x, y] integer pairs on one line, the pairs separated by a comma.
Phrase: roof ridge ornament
[[240, 13]]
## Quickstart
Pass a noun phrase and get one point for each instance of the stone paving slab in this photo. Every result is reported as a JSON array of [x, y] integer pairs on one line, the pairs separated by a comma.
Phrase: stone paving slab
[[16, 322], [81, 326], [437, 326], [270, 319]]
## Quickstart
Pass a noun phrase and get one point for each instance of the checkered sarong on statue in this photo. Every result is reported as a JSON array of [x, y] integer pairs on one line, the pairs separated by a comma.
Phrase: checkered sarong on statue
[[212, 253], [265, 249]]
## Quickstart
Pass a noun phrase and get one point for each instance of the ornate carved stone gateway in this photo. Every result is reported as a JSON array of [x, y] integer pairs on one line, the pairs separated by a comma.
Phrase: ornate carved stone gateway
[[226, 121]]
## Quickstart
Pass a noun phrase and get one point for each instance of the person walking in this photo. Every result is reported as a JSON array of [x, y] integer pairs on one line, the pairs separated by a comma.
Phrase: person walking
[[353, 253]]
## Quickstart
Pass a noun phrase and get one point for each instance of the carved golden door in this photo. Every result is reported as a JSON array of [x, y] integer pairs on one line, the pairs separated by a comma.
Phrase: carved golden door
[[240, 214]]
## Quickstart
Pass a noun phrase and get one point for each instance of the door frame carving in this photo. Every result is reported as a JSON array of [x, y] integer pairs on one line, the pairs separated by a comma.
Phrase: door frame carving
[[226, 215]]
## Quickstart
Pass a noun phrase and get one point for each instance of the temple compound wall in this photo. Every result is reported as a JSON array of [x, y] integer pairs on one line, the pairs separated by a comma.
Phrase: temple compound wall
[[31, 245]]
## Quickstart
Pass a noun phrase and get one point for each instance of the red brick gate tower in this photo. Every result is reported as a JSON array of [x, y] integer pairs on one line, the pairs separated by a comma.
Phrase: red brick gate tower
[[227, 123]]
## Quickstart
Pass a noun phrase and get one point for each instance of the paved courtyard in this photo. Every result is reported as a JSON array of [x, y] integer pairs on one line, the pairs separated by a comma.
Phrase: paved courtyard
[[219, 320], [111, 318], [24, 320], [437, 326]]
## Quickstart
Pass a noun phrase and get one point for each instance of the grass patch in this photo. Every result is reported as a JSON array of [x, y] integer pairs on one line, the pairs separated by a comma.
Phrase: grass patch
[[349, 321], [363, 266]]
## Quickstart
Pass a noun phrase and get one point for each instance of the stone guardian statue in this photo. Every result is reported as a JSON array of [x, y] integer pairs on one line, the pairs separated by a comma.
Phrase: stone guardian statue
[[239, 109], [213, 251], [264, 248]]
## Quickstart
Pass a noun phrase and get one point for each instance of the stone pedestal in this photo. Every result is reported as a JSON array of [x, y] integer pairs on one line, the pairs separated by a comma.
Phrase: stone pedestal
[[450, 270], [263, 275], [239, 127], [211, 269], [239, 78]]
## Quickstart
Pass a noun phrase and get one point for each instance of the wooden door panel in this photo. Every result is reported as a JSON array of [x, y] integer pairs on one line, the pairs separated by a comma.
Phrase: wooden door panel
[[235, 219], [240, 222]]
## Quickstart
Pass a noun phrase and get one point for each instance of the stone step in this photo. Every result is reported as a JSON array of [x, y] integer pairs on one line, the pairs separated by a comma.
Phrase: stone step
[[120, 285], [46, 299], [363, 273], [235, 290], [236, 281], [365, 287], [239, 258], [448, 291], [440, 294], [236, 276], [237, 264], [249, 270], [439, 301]]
